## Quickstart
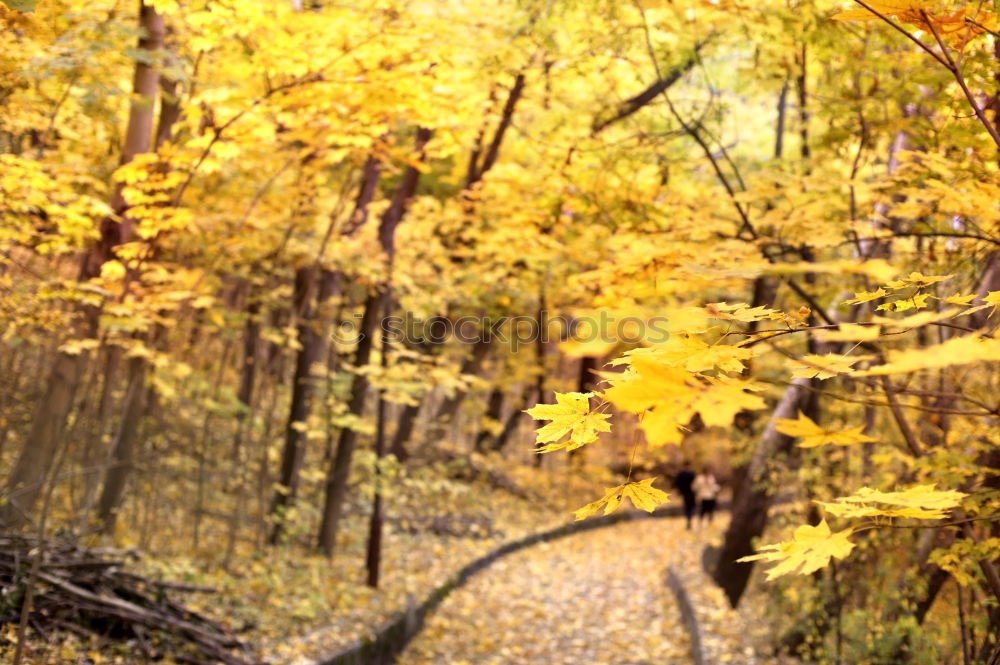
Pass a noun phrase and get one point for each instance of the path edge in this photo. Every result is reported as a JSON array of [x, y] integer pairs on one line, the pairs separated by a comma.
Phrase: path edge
[[688, 615], [389, 640]]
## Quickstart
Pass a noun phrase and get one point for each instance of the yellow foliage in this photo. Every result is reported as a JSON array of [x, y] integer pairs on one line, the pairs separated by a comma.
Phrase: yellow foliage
[[813, 435], [570, 415], [811, 548], [642, 494], [920, 502], [824, 367], [952, 28], [667, 397], [971, 348]]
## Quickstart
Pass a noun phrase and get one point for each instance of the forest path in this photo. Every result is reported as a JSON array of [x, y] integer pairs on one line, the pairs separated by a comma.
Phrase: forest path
[[595, 598]]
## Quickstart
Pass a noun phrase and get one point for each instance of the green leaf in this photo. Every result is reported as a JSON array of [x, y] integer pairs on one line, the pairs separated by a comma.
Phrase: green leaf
[[21, 5]]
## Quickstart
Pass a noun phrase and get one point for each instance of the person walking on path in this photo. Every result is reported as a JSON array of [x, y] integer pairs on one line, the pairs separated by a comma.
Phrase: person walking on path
[[683, 483], [706, 489]]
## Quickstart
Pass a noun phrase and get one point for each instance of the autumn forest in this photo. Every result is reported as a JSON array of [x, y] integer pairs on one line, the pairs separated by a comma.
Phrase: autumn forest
[[514, 332]]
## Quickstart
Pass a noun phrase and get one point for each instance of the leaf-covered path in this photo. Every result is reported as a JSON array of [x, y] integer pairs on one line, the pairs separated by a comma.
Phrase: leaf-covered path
[[597, 598]]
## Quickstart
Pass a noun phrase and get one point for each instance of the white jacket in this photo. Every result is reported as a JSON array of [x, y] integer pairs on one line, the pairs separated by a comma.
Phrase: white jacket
[[705, 486]]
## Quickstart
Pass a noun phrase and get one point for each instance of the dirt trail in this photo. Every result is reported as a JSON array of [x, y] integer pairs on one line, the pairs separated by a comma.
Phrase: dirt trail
[[597, 598]]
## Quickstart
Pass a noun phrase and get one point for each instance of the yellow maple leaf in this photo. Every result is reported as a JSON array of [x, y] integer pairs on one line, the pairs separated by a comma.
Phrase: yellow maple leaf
[[849, 332], [641, 493], [917, 301], [610, 502], [920, 502], [992, 298], [811, 548], [569, 415], [814, 435], [866, 296], [956, 351], [693, 355], [958, 299], [666, 397], [741, 312], [916, 320], [720, 400], [644, 496], [917, 279], [825, 366]]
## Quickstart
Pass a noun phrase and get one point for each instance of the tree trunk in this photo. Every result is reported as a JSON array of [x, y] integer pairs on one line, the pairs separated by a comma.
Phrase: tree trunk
[[49, 422], [449, 406], [244, 419], [313, 338], [123, 449], [404, 430], [337, 475], [751, 499], [373, 557], [510, 425], [494, 409]]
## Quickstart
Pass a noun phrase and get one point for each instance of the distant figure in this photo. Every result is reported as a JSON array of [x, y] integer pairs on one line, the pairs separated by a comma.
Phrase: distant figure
[[683, 483], [706, 489]]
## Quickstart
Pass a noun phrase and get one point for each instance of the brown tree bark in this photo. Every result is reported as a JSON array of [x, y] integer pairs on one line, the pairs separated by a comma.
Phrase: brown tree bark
[[244, 419], [123, 449], [752, 499], [313, 333], [494, 409], [313, 338], [337, 476], [49, 422], [514, 417], [373, 557]]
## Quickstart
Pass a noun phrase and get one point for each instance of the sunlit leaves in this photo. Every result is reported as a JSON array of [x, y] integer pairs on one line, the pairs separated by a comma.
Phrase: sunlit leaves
[[917, 279], [811, 548], [917, 301], [956, 351], [571, 415], [849, 332], [642, 494], [866, 296], [953, 28], [667, 397], [959, 299], [740, 312], [693, 354], [920, 502], [813, 435], [827, 366]]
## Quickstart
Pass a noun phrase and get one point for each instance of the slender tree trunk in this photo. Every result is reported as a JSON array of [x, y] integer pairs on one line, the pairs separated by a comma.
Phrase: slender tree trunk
[[449, 405], [803, 93], [373, 557], [779, 134], [49, 421], [514, 417], [244, 419], [404, 430], [494, 409], [122, 452], [314, 338], [337, 476], [540, 361], [584, 381], [204, 442]]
